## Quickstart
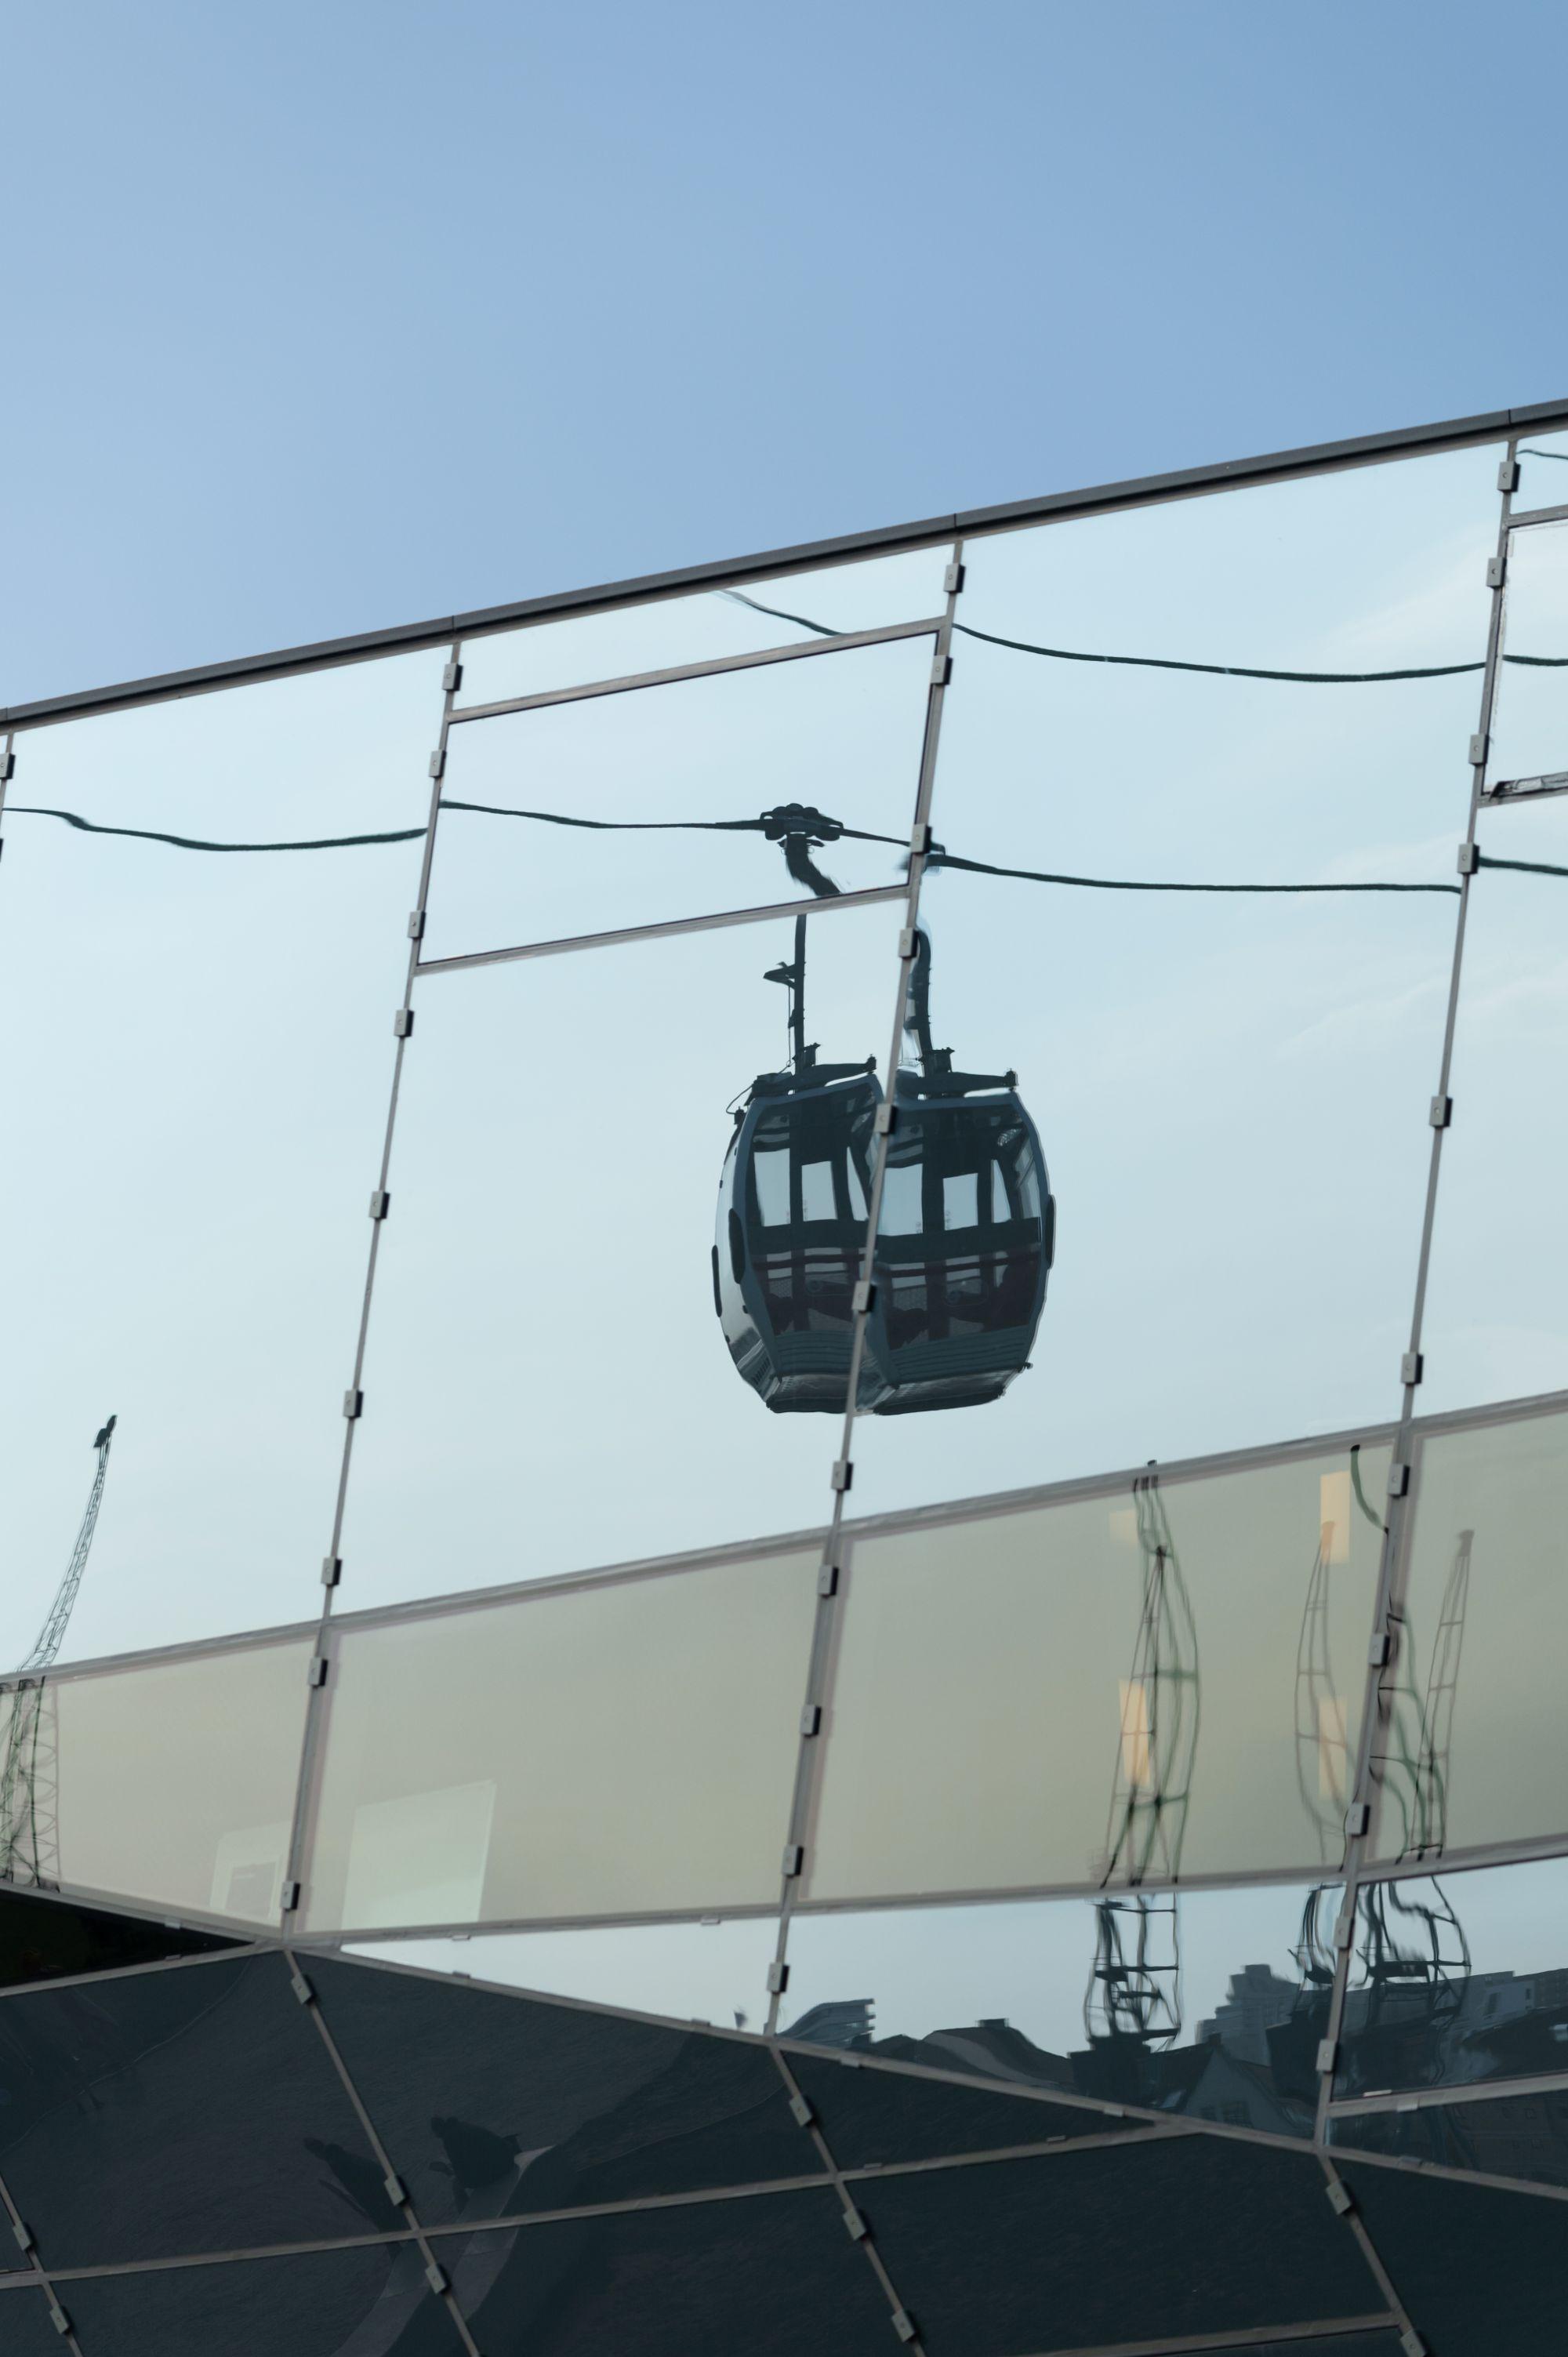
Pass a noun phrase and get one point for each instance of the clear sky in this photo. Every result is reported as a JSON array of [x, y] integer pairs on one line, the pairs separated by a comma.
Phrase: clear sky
[[317, 318]]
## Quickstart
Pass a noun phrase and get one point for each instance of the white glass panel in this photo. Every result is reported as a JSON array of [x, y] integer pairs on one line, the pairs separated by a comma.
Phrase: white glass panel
[[1472, 1748], [1000, 1720], [619, 1749], [173, 1781]]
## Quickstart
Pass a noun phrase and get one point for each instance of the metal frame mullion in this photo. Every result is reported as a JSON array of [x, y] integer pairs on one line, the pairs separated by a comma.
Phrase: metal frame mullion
[[398, 2195], [767, 913], [855, 2223], [36, 2271], [301, 1831], [1392, 1564], [813, 1717], [1344, 2204]]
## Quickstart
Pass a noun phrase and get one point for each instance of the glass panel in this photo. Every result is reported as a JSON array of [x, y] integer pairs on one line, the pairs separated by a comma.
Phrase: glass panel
[[1458, 1979], [174, 1782], [619, 1749], [548, 1385], [1231, 1092], [1542, 472], [772, 2276], [1152, 1682], [871, 2116], [841, 732], [868, 595], [1211, 2004], [200, 1070], [1478, 2270], [1497, 1311], [491, 2106], [26, 2326], [317, 2304], [51, 1939], [1504, 2135], [1472, 1747], [713, 1971], [191, 2109], [966, 2250]]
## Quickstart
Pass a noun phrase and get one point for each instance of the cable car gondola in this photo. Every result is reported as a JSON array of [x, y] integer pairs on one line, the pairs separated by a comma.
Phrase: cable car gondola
[[964, 1240]]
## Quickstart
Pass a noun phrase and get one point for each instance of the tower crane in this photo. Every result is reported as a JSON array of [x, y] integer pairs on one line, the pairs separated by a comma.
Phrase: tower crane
[[29, 1765], [1132, 2006]]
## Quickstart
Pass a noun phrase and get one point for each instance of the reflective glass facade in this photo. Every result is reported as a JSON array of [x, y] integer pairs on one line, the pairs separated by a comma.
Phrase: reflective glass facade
[[827, 1592]]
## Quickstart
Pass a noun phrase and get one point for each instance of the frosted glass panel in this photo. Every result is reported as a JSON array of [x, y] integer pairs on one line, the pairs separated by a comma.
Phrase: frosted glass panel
[[1471, 1749], [1112, 1686], [624, 1748], [169, 1782]]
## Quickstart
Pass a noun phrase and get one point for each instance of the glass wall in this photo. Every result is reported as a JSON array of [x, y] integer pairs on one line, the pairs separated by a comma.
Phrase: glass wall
[[534, 1142]]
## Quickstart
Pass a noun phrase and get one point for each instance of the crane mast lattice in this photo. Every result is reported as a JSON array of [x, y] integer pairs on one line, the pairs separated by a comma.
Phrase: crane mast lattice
[[29, 1775]]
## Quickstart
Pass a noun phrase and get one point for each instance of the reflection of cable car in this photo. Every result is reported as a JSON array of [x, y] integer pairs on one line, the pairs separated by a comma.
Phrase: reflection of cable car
[[964, 1240]]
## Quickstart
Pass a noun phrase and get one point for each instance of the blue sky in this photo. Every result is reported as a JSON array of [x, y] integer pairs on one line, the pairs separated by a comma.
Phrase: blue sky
[[317, 318]]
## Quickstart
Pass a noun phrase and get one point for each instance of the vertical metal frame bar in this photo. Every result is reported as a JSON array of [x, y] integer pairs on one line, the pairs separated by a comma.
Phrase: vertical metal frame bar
[[297, 1867], [58, 2317], [1393, 1569], [803, 1804], [397, 2192]]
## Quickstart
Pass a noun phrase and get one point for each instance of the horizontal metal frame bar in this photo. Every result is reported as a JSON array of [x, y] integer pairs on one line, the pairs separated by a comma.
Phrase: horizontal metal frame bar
[[842, 643], [1532, 2188], [1080, 1487], [1527, 1850], [1263, 2336], [766, 914], [1425, 2099], [1509, 791], [239, 1953], [1023, 1894], [1522, 519], [1058, 507]]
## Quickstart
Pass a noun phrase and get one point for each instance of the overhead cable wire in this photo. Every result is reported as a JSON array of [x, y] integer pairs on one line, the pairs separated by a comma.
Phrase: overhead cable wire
[[200, 842], [793, 845], [1169, 662], [936, 857]]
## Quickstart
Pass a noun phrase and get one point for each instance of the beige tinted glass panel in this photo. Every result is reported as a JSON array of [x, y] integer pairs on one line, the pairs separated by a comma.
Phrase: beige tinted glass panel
[[177, 1780], [613, 1750], [1474, 1750], [991, 1706]]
